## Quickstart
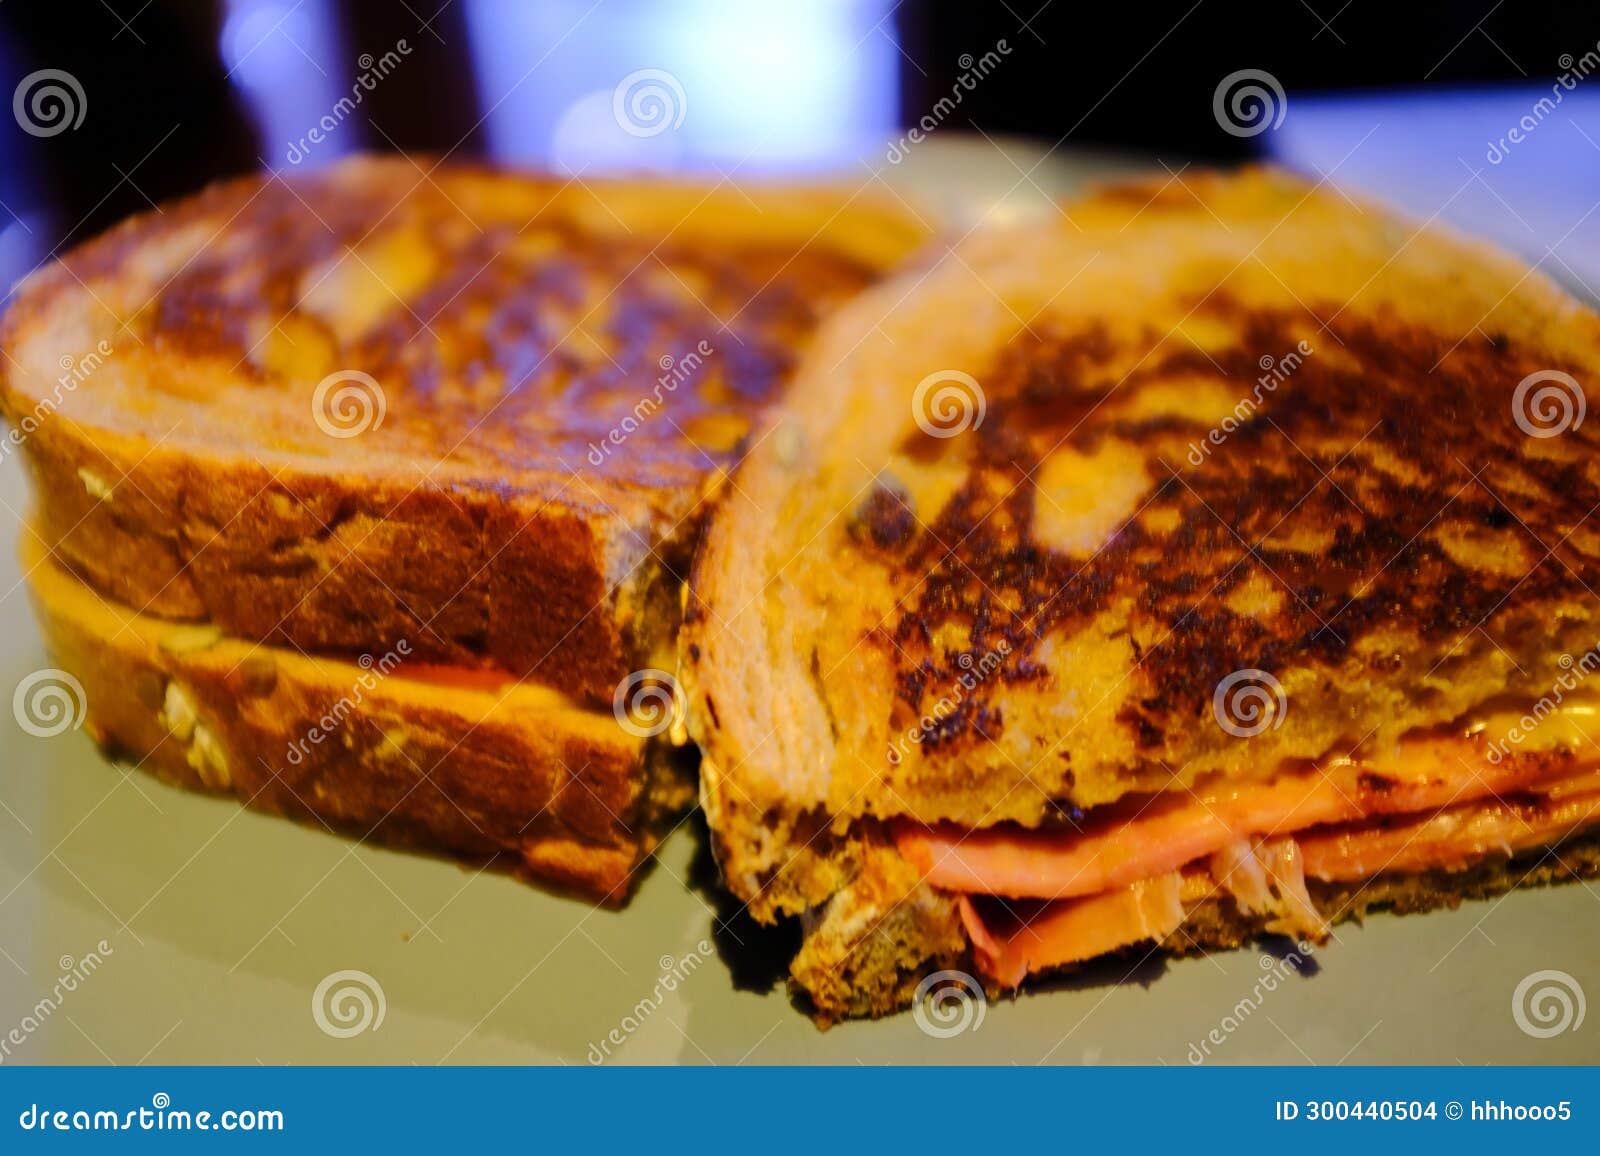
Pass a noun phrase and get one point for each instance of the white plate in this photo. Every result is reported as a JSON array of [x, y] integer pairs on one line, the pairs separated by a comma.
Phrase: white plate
[[221, 925]]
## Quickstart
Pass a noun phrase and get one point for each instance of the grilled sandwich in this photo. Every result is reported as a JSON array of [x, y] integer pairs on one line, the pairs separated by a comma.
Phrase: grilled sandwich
[[1214, 563], [469, 413]]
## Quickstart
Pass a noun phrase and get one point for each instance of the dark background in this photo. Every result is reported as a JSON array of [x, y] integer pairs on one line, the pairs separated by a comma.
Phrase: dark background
[[165, 116]]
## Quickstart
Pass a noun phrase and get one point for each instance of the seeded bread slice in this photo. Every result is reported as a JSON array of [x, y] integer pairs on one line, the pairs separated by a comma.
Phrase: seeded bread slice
[[368, 748]]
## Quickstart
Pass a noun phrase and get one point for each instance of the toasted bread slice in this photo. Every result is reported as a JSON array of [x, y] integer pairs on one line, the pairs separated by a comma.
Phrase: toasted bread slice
[[380, 747], [470, 409], [1033, 518], [869, 948]]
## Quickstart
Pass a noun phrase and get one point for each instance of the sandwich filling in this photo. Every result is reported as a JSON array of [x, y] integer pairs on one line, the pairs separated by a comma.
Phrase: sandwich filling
[[1129, 872]]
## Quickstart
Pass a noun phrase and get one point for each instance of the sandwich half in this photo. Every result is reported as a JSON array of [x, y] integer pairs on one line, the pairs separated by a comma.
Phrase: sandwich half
[[375, 746], [459, 418], [474, 409], [1216, 561]]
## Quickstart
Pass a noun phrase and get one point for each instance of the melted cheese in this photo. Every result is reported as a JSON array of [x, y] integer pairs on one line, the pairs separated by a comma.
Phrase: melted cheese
[[1545, 725]]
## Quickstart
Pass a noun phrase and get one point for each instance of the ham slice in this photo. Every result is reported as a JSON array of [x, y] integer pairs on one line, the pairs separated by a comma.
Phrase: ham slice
[[459, 677], [1166, 834], [1264, 879], [1448, 840], [1019, 943], [1131, 876]]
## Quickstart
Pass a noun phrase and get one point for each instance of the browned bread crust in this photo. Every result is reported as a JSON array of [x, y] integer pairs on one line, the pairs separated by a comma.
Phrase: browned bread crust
[[874, 943], [517, 771], [565, 368], [1047, 599]]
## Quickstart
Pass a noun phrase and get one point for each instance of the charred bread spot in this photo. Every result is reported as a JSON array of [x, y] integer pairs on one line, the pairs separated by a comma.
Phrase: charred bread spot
[[1339, 445], [884, 518], [1375, 784]]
